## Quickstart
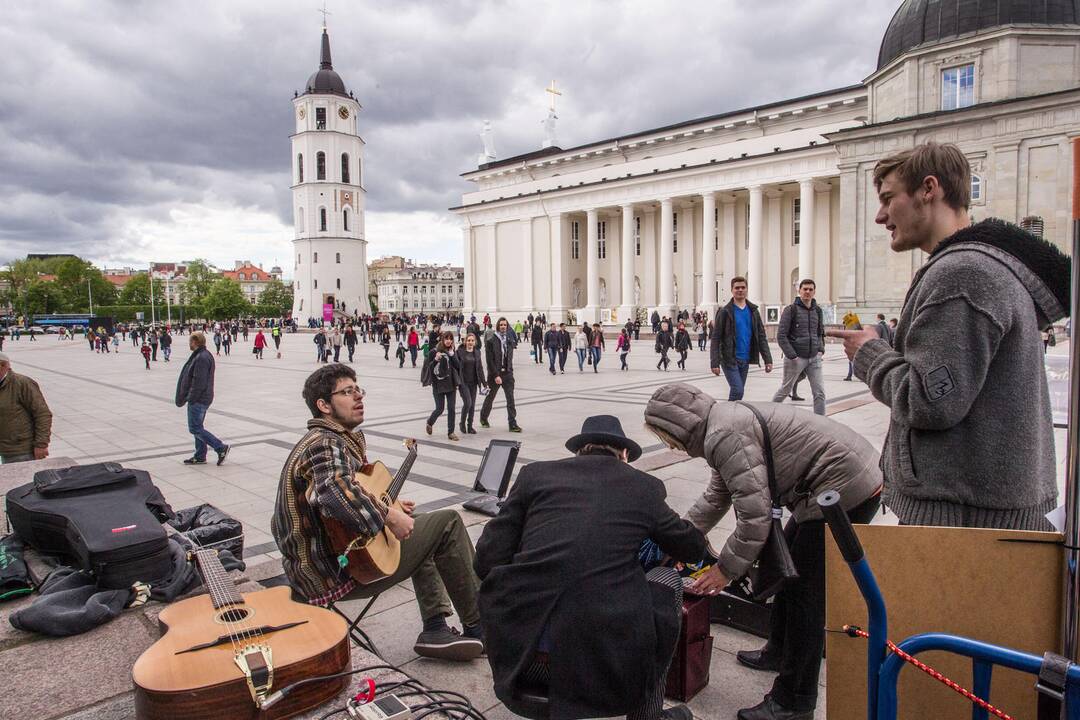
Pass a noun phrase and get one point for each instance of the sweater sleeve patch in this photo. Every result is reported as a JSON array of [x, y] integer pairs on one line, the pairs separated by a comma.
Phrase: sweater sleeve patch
[[939, 383]]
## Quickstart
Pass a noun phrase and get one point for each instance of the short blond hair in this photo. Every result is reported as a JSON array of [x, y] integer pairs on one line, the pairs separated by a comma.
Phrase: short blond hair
[[944, 161], [199, 337]]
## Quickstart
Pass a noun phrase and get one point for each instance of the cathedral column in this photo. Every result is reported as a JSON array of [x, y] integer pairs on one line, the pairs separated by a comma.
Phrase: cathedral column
[[709, 234], [626, 307], [728, 239], [777, 289], [529, 302], [806, 230], [755, 272], [470, 269], [667, 258], [592, 267], [686, 258], [558, 268], [846, 286]]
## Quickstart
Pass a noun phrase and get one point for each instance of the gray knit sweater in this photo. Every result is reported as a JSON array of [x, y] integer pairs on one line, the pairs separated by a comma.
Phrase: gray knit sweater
[[970, 440]]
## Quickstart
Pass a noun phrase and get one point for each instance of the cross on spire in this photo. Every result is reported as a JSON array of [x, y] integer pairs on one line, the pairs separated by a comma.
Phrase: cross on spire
[[324, 12], [551, 89]]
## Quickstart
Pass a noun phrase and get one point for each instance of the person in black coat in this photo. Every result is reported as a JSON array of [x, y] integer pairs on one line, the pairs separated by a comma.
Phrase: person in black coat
[[564, 544], [472, 379], [665, 340], [499, 359], [551, 344], [682, 344], [195, 388], [565, 341], [537, 339], [442, 371]]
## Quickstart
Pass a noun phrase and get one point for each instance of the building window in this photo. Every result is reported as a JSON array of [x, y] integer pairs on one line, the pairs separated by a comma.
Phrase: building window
[[796, 220], [316, 258], [716, 229], [337, 258], [674, 232], [575, 240], [240, 276], [315, 284], [637, 236], [601, 240], [345, 220], [339, 283], [300, 167], [320, 118], [344, 167], [320, 166], [300, 222], [976, 188], [298, 259], [958, 87]]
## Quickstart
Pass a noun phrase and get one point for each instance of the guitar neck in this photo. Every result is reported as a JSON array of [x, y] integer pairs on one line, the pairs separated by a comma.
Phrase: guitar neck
[[402, 473], [218, 583]]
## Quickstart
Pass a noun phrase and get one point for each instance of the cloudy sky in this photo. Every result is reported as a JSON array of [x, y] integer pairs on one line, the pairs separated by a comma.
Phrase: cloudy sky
[[155, 130]]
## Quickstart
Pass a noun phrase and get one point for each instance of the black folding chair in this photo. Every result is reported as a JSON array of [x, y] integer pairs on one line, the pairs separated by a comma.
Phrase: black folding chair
[[356, 634]]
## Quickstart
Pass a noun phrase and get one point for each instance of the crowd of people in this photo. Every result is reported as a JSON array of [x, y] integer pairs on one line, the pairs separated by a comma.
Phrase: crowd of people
[[559, 591]]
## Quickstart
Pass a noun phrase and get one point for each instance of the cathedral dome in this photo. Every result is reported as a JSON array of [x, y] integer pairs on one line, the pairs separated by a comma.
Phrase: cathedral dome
[[922, 22], [325, 80]]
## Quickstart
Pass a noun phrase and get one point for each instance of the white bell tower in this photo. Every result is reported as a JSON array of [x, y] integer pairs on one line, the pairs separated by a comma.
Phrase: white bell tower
[[329, 249]]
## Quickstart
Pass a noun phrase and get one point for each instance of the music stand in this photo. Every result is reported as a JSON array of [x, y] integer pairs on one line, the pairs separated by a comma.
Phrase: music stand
[[493, 477]]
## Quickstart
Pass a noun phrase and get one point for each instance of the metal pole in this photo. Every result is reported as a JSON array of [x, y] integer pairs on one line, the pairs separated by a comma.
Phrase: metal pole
[[153, 317], [90, 294], [168, 296], [1071, 607]]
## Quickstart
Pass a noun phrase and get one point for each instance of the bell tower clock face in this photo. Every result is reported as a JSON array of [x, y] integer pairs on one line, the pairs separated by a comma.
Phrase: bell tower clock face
[[343, 112], [301, 113]]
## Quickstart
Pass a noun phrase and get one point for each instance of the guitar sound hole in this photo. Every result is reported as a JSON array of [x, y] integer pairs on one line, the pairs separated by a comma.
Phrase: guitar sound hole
[[233, 615]]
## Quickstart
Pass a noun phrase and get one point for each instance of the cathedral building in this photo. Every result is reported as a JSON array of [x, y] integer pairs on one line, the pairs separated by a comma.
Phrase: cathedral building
[[664, 218], [330, 249]]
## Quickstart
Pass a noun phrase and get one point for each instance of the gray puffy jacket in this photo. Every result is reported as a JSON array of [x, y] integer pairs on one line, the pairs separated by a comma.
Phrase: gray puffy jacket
[[811, 454]]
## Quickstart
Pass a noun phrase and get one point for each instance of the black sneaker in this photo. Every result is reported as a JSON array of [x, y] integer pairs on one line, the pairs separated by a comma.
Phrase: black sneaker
[[195, 461], [485, 424], [677, 712], [447, 644], [759, 659], [222, 453], [515, 428]]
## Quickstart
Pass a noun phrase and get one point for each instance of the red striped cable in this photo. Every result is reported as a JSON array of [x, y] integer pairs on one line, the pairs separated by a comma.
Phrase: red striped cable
[[855, 631]]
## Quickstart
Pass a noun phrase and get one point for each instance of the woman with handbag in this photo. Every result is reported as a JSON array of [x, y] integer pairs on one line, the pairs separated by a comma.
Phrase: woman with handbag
[[442, 371], [766, 457]]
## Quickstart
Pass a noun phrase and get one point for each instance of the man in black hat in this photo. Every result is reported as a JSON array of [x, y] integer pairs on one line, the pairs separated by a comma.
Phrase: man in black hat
[[564, 544]]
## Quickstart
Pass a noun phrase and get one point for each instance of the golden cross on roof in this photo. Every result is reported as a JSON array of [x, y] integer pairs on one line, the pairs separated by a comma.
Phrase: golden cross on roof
[[553, 92], [324, 12]]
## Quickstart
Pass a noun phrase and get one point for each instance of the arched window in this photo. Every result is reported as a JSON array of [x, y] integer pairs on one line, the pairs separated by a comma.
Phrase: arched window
[[240, 276], [300, 167], [316, 258], [345, 167], [322, 219], [337, 256], [315, 284], [320, 166], [345, 220], [976, 188], [339, 283], [300, 222]]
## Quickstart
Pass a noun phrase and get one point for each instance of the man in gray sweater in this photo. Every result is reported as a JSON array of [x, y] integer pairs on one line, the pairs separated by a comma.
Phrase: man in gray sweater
[[970, 440]]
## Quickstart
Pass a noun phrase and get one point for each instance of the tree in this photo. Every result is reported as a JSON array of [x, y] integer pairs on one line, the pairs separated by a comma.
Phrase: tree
[[77, 279], [277, 297], [137, 291], [197, 282], [19, 275], [43, 297], [225, 300]]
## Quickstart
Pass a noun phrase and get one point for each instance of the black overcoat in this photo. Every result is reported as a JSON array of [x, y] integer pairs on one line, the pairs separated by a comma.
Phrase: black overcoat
[[563, 551]]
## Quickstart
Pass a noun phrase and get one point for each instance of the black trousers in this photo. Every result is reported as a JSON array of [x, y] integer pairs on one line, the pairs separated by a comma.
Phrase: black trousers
[[493, 389], [442, 399], [797, 631], [682, 359], [562, 358], [468, 404], [538, 352]]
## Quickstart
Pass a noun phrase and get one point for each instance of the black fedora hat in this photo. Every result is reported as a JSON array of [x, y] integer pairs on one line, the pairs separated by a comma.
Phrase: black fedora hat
[[604, 430]]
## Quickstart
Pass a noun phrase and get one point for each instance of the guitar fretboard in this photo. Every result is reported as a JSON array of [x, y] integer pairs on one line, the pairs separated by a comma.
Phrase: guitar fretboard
[[218, 583], [402, 473]]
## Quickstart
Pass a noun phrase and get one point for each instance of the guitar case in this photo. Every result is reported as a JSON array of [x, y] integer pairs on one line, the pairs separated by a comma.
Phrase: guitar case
[[102, 518]]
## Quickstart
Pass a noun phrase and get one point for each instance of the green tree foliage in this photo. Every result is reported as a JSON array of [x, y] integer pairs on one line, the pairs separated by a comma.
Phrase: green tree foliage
[[225, 300], [76, 279], [199, 280], [43, 297], [18, 276], [137, 291], [277, 297]]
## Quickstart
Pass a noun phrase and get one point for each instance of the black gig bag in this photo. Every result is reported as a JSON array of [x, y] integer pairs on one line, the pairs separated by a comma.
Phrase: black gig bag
[[102, 518]]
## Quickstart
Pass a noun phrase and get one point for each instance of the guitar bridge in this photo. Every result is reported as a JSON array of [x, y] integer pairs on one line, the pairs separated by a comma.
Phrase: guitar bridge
[[256, 662]]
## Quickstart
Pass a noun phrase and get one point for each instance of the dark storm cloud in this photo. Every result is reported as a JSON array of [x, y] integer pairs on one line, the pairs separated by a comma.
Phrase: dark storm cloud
[[115, 113]]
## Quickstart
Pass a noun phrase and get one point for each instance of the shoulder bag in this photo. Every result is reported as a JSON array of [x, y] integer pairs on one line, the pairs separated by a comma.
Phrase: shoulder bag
[[774, 566]]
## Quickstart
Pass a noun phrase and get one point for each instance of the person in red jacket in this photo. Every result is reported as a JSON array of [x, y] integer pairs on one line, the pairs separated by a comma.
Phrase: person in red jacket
[[260, 343], [413, 342]]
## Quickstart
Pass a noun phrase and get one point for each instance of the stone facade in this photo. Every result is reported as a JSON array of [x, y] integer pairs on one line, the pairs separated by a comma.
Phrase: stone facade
[[422, 289]]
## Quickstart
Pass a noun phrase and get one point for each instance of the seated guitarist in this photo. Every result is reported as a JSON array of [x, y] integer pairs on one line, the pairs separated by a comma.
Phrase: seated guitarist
[[316, 483]]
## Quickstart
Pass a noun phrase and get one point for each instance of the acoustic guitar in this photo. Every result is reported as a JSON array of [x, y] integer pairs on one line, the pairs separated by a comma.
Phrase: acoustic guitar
[[224, 654], [368, 559]]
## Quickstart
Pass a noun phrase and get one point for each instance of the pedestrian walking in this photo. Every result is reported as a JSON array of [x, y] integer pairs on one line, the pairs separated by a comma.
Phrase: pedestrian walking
[[851, 322], [738, 340], [665, 340], [166, 344], [565, 341], [384, 340], [702, 335], [801, 336], [413, 341], [623, 348], [581, 347], [195, 388], [320, 345], [499, 363], [145, 351], [682, 344], [472, 381], [551, 344], [155, 341], [335, 341], [348, 338], [536, 336], [275, 333], [260, 344], [442, 372], [26, 430], [597, 344]]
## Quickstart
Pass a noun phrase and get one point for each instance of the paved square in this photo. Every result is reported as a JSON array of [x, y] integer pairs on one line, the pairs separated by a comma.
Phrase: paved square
[[108, 407]]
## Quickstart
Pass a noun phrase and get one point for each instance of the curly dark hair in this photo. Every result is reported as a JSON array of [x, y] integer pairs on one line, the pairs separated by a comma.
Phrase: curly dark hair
[[321, 383]]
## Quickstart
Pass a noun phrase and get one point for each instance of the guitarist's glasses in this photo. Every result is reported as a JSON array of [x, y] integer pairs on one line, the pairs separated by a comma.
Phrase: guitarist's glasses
[[351, 392]]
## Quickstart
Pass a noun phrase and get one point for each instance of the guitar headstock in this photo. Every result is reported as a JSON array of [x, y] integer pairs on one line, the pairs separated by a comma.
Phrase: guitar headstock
[[410, 444]]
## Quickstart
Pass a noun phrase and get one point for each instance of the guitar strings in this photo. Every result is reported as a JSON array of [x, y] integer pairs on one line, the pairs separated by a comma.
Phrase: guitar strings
[[240, 632]]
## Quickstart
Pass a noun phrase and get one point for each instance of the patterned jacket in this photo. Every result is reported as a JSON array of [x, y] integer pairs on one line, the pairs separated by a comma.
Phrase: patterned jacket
[[316, 483]]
